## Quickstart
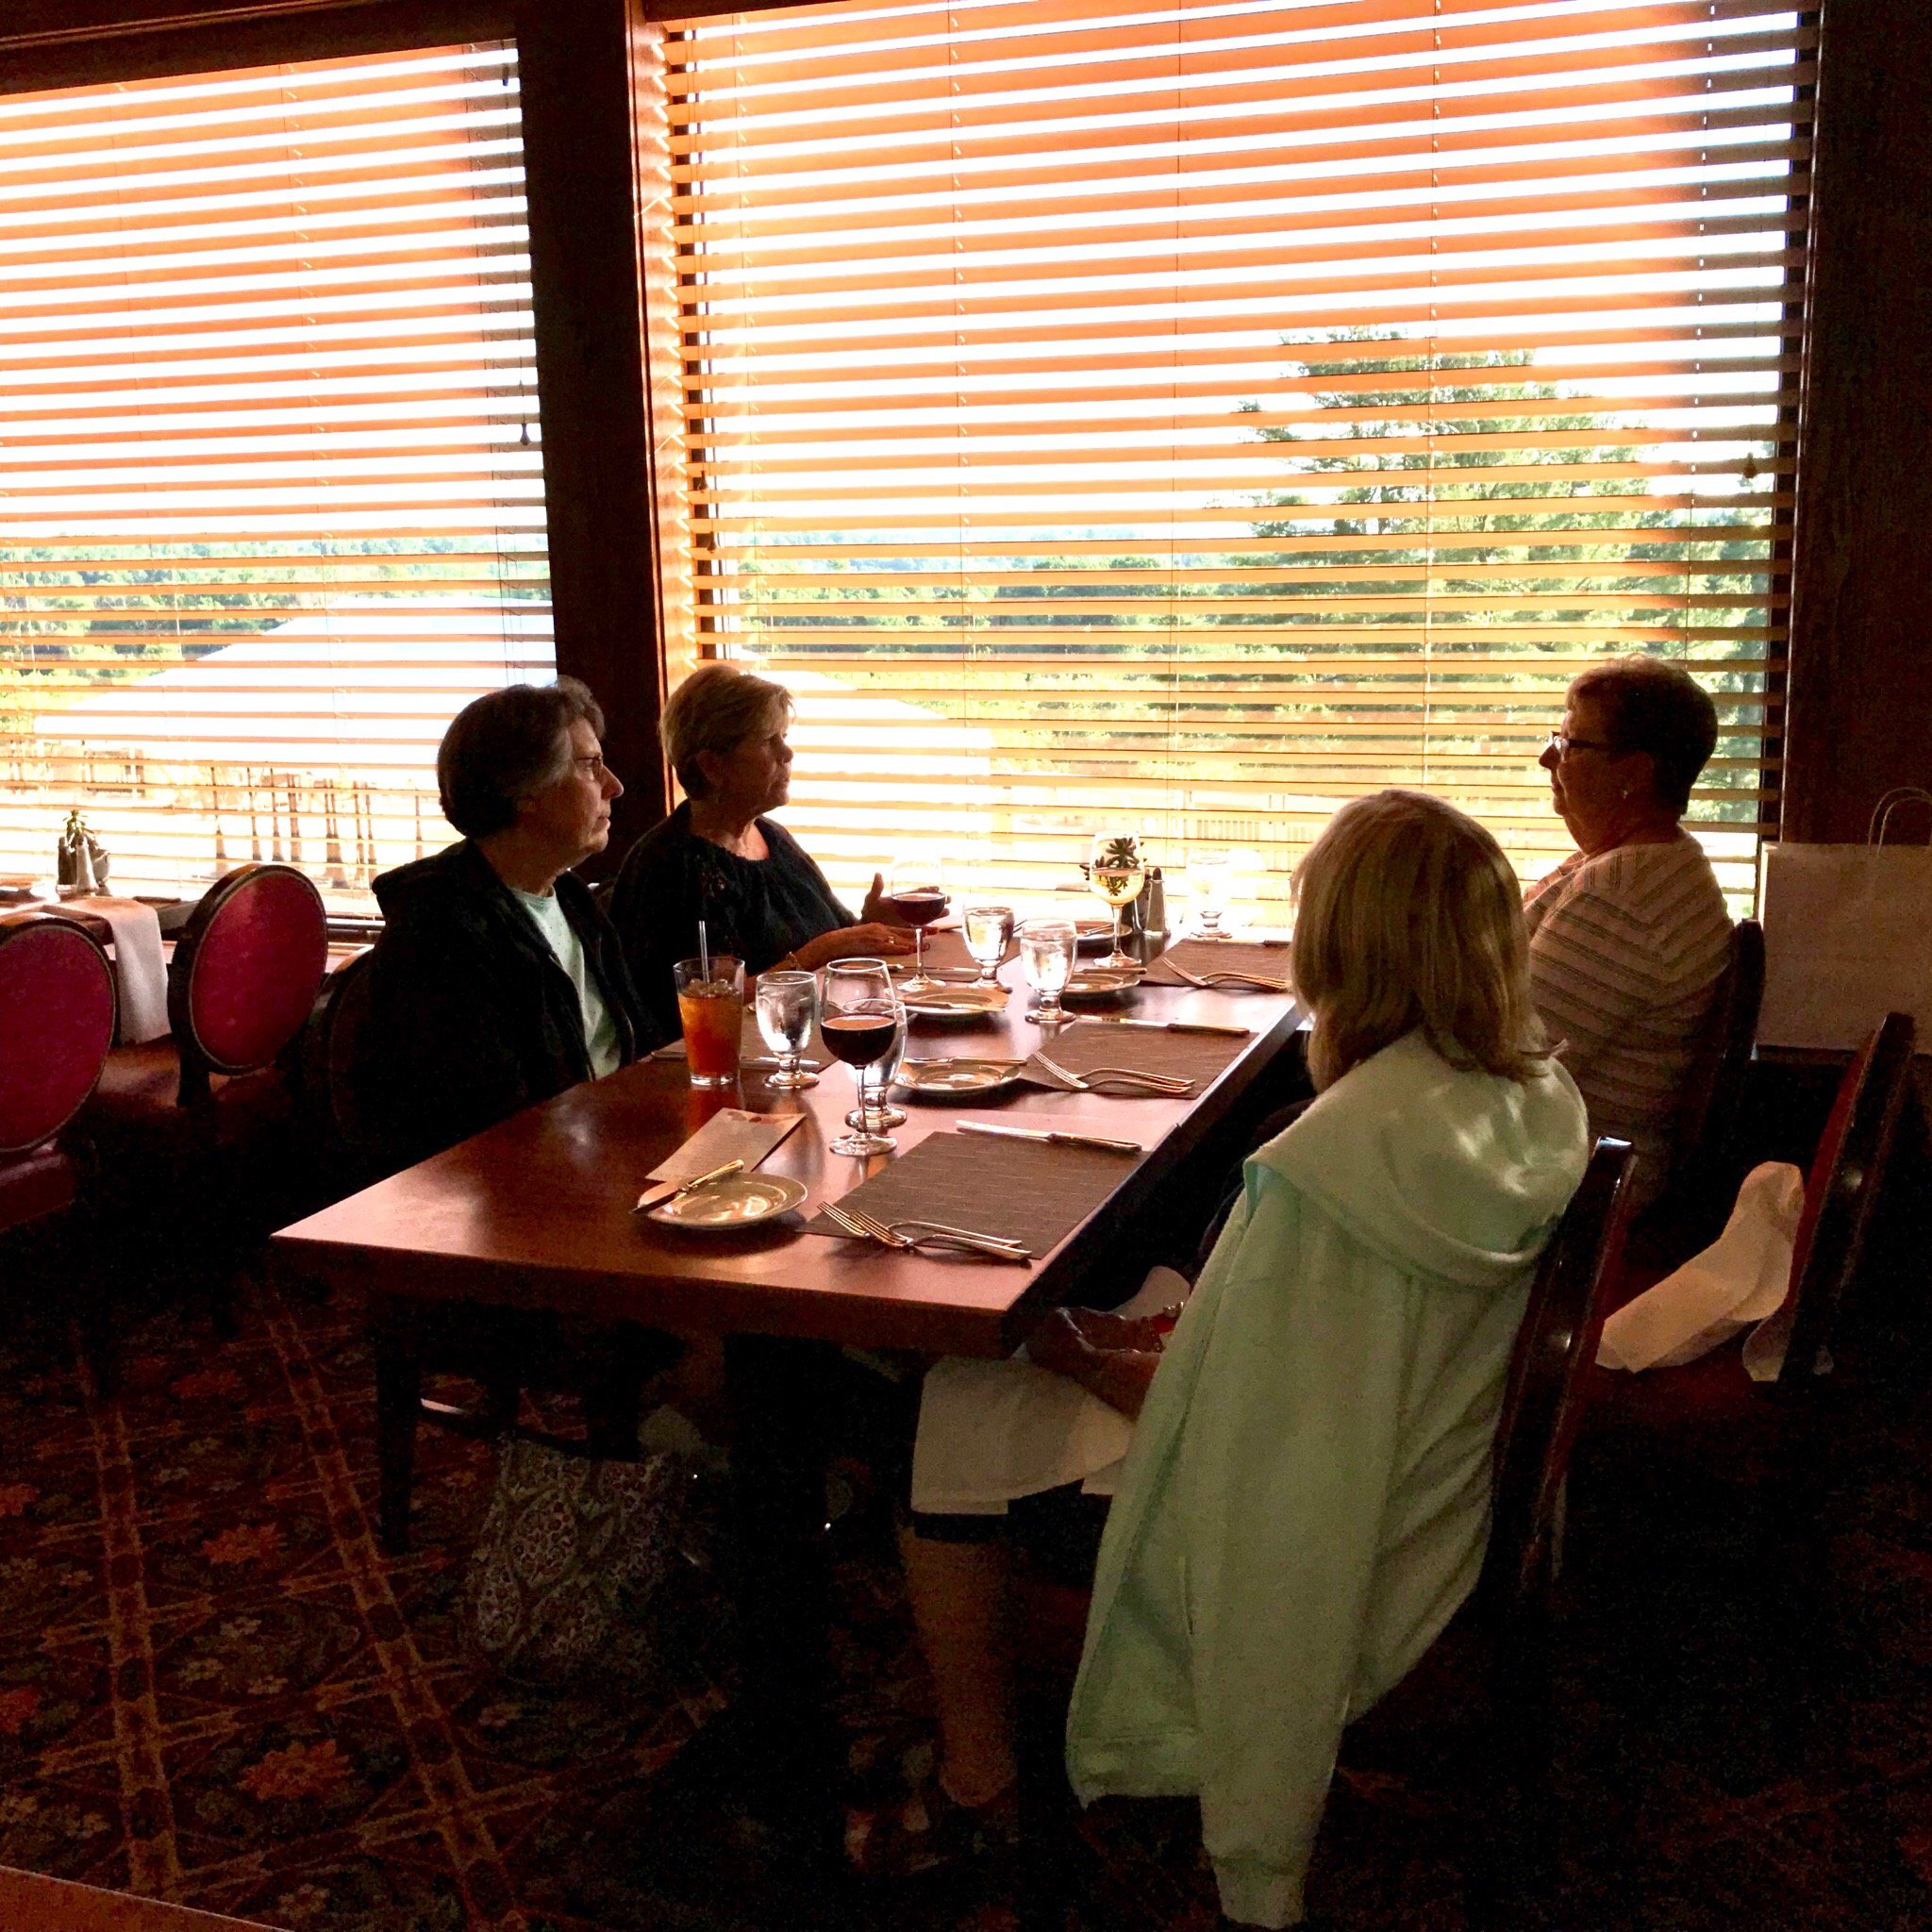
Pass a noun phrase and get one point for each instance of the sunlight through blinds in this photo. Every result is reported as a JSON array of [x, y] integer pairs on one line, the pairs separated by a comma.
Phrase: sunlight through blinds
[[271, 494], [1204, 414]]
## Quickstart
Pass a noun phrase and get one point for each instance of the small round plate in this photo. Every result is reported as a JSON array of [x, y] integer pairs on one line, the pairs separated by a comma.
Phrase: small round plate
[[956, 1002], [739, 1200], [1102, 982], [945, 1079]]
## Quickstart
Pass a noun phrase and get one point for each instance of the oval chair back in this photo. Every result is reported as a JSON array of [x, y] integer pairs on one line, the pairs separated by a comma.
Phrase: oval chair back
[[328, 1060], [1549, 1372], [245, 971], [1847, 1174], [1708, 1137], [58, 1009]]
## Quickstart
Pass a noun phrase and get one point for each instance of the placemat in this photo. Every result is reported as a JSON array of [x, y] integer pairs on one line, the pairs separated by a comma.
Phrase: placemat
[[1029, 1190], [1088, 1043], [1268, 958]]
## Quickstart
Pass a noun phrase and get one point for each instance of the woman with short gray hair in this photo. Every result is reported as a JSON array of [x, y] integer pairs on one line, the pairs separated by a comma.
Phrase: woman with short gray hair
[[718, 859], [1629, 935]]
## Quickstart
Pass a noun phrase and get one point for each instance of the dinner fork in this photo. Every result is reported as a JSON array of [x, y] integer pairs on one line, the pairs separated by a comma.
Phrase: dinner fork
[[848, 1219], [1082, 1083], [995, 1245], [1259, 980]]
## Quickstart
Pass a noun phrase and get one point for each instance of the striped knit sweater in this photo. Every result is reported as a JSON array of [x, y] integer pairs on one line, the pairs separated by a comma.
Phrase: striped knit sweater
[[1625, 951]]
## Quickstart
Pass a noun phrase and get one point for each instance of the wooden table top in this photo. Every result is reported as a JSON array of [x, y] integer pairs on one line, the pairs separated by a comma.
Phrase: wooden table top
[[29, 1902], [535, 1211]]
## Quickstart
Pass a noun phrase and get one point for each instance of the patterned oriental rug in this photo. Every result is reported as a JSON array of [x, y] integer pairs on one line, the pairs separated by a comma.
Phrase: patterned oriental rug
[[215, 1689]]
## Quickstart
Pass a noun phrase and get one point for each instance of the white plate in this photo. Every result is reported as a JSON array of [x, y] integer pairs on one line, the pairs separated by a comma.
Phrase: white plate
[[944, 1079], [1102, 982], [956, 1002], [739, 1200]]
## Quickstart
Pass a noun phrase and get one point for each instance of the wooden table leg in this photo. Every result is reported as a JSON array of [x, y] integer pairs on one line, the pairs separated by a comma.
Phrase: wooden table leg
[[398, 1405], [781, 1395]]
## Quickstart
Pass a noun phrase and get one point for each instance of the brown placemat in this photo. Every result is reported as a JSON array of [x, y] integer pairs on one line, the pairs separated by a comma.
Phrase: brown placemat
[[1029, 1190], [1220, 956], [1090, 1043]]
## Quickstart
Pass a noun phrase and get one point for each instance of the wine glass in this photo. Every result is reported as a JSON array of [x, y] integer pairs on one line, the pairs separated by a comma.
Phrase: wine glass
[[875, 1113], [988, 931], [860, 1017], [917, 892], [1046, 957], [1116, 868], [787, 1004]]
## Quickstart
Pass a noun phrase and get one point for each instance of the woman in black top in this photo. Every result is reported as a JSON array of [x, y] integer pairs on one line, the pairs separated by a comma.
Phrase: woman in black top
[[717, 859]]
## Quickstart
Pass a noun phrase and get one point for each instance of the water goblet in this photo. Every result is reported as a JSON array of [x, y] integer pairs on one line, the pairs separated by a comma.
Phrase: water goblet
[[989, 928], [787, 1004], [1046, 957], [1212, 876]]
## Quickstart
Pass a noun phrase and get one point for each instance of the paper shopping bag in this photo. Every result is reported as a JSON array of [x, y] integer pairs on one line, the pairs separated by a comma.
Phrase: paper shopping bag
[[1847, 940]]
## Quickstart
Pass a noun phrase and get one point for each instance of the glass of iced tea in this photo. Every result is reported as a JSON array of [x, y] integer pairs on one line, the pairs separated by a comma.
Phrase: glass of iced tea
[[711, 1006]]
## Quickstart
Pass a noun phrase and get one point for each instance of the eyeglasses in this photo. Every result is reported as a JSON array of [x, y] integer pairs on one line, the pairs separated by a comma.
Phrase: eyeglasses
[[1563, 747], [594, 765]]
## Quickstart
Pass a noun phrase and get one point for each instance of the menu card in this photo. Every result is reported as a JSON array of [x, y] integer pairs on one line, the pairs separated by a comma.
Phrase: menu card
[[730, 1134]]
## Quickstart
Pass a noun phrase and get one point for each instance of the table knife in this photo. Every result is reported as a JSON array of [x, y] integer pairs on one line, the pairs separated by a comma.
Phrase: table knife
[[1177, 1027], [672, 1190], [1053, 1138]]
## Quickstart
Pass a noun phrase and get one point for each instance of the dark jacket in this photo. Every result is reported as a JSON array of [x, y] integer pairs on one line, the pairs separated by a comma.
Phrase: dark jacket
[[758, 910], [470, 1016]]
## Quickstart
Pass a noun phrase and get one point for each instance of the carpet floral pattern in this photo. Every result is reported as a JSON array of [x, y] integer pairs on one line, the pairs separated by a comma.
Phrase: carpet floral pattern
[[215, 1687]]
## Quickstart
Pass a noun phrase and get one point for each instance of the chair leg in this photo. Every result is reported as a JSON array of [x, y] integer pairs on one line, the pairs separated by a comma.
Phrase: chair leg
[[398, 1401]]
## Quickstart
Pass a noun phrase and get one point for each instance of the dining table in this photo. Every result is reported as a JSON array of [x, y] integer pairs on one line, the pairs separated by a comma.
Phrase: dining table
[[538, 1213]]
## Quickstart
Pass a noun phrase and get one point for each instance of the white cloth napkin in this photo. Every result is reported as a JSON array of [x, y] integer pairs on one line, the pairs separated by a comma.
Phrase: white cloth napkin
[[992, 1432], [140, 971], [1744, 1278]]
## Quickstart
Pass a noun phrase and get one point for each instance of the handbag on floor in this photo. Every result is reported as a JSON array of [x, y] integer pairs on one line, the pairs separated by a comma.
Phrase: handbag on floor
[[582, 1562]]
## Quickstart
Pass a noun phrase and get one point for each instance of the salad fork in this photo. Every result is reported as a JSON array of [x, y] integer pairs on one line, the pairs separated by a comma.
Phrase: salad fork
[[1082, 1083]]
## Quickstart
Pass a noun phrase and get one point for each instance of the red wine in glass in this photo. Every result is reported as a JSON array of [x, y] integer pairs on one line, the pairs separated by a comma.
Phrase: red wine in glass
[[859, 1039], [919, 905]]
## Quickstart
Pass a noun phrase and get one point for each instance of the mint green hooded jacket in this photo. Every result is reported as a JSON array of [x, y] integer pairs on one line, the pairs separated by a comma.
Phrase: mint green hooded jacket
[[1305, 1499]]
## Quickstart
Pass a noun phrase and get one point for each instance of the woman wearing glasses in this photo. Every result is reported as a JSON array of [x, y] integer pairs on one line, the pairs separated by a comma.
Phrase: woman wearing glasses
[[718, 857], [1629, 935]]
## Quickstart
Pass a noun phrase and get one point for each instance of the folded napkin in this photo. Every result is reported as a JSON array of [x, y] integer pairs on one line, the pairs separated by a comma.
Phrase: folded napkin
[[1742, 1280], [140, 971], [992, 1431]]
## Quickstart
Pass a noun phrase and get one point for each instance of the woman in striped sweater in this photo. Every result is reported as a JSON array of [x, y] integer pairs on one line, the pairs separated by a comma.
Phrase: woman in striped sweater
[[1629, 935]]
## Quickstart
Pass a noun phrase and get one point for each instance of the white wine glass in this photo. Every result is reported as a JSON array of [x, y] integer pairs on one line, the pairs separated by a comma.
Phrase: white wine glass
[[1116, 868]]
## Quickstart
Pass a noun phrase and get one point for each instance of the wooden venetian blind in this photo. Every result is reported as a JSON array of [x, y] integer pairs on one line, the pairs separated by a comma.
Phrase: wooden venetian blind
[[1203, 414], [271, 499]]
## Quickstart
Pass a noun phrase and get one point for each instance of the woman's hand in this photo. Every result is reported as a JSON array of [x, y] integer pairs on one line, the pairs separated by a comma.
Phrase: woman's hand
[[851, 942], [1119, 1376]]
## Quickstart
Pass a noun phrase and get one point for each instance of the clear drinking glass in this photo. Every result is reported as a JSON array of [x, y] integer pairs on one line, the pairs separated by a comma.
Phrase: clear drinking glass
[[875, 1113], [1210, 874], [1046, 957], [917, 890], [1116, 868], [787, 1006], [859, 1019], [711, 1006], [989, 929]]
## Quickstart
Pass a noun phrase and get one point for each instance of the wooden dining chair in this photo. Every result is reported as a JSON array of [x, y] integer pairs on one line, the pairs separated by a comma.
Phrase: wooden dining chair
[[58, 1010], [200, 1125], [1710, 1152], [1505, 1758], [1699, 1465]]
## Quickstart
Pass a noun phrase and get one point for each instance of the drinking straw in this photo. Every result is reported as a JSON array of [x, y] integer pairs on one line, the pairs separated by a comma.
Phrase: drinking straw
[[704, 955]]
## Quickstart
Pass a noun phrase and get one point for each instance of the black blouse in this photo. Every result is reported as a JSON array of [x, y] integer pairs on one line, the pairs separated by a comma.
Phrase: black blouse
[[758, 909]]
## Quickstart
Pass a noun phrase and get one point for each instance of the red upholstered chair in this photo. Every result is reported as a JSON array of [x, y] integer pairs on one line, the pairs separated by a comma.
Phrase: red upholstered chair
[[200, 1127], [58, 1007]]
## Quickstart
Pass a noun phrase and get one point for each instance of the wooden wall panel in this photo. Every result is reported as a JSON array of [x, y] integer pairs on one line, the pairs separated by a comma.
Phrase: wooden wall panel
[[1860, 697]]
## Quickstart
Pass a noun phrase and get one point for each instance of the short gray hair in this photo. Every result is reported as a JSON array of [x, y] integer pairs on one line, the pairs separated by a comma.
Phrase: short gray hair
[[719, 706], [1653, 705], [506, 745]]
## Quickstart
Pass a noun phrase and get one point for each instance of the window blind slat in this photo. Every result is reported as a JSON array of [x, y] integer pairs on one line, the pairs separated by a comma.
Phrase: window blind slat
[[270, 486]]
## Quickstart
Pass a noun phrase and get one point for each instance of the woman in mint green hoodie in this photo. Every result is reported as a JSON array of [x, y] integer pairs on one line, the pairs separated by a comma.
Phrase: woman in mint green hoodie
[[1306, 1498]]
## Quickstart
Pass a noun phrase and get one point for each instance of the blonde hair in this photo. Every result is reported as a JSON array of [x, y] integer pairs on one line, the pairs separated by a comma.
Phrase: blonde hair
[[1408, 915], [718, 706]]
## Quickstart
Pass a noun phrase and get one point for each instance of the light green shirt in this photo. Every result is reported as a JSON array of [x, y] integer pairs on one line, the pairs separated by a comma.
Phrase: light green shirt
[[600, 1029]]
